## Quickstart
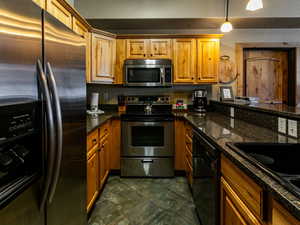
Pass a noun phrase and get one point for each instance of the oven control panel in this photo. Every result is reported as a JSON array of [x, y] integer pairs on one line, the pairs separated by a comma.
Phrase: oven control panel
[[130, 100]]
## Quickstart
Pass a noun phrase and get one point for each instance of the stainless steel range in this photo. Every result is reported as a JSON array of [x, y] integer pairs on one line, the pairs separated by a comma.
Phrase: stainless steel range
[[147, 137]]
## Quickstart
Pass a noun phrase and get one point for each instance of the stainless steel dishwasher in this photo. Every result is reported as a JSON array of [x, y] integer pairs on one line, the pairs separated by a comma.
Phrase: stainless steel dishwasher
[[206, 180]]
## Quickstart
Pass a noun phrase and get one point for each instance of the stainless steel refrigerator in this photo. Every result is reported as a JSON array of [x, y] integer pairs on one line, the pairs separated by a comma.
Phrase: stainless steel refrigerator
[[43, 61]]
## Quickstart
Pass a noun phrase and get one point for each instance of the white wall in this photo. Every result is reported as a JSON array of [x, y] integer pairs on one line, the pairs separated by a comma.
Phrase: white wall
[[71, 2], [182, 8]]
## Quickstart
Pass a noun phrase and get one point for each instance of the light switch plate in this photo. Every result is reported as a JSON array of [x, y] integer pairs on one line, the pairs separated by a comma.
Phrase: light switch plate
[[282, 125], [292, 128], [231, 112]]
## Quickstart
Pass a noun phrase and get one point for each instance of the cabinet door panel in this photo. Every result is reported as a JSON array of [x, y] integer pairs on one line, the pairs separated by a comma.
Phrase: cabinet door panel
[[60, 12], [92, 180], [103, 59], [79, 28], [184, 60], [102, 167], [208, 56], [160, 48], [137, 48]]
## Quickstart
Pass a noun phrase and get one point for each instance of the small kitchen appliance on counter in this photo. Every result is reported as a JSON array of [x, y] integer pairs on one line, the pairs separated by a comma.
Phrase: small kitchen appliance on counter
[[147, 137], [200, 101]]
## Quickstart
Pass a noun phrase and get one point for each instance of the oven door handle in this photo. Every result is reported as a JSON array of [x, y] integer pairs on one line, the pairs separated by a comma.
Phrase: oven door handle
[[147, 161]]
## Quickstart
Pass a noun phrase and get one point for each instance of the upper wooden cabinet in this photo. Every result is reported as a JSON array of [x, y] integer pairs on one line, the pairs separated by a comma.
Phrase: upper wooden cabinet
[[79, 27], [58, 10], [160, 48], [41, 3], [208, 57], [136, 48], [184, 60], [148, 49], [103, 58]]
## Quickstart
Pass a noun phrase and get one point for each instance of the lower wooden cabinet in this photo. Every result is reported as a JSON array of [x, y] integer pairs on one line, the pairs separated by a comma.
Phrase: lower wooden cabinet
[[92, 180], [233, 209], [179, 145], [282, 217]]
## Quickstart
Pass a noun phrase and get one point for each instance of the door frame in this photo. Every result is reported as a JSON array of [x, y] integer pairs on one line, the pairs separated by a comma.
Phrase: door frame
[[293, 78]]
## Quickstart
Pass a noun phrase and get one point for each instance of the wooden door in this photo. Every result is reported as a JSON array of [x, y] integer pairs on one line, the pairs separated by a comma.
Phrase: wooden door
[[208, 56], [137, 48], [115, 140], [57, 9], [92, 180], [160, 48], [233, 210], [184, 60], [267, 75], [103, 59]]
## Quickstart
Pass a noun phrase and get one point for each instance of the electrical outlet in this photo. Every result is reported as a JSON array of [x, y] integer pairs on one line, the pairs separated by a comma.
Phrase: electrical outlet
[[231, 112], [281, 125], [292, 128], [232, 123]]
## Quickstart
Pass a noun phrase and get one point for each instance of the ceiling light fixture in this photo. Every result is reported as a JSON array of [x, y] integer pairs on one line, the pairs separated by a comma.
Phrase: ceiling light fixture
[[254, 5], [226, 26]]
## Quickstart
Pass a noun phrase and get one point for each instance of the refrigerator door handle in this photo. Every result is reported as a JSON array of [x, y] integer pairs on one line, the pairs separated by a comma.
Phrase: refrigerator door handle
[[50, 138], [59, 130]]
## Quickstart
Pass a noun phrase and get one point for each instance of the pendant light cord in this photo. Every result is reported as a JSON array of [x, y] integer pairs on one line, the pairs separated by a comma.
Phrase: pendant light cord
[[227, 9]]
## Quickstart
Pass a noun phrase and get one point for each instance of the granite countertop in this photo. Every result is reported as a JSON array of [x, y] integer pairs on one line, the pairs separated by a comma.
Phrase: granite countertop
[[220, 129], [94, 122], [277, 109]]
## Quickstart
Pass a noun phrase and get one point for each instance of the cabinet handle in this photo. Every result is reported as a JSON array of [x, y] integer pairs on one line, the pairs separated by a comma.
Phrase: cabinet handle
[[151, 55], [94, 141], [192, 78], [144, 55]]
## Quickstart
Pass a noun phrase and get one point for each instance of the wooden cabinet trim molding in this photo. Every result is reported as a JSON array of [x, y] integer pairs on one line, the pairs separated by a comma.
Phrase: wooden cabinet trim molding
[[161, 36]]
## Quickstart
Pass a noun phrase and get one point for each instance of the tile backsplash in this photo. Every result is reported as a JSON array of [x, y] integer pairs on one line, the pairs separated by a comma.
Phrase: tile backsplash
[[108, 94]]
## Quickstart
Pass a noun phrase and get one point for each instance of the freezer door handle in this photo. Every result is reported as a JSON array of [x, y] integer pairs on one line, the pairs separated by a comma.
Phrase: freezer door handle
[[59, 130], [50, 133]]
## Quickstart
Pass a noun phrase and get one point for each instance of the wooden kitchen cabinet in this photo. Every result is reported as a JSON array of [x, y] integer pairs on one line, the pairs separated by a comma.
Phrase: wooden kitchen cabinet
[[233, 209], [188, 153], [79, 27], [41, 3], [281, 216], [136, 48], [92, 180], [58, 10], [184, 60], [160, 49], [103, 58], [207, 61]]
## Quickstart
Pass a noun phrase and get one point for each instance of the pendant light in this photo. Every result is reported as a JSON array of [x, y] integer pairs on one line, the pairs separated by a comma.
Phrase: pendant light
[[226, 26], [254, 5]]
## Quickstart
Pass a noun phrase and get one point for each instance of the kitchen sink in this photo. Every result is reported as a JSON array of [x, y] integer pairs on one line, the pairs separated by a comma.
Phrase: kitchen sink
[[280, 161], [281, 158]]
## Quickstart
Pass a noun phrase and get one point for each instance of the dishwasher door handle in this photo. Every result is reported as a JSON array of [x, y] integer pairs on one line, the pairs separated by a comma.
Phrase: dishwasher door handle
[[147, 161]]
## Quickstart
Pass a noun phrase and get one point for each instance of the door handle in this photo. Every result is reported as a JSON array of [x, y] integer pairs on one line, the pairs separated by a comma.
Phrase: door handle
[[59, 130], [50, 132], [147, 161]]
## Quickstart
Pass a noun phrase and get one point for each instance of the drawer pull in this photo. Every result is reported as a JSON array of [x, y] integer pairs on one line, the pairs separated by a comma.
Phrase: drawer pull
[[147, 161]]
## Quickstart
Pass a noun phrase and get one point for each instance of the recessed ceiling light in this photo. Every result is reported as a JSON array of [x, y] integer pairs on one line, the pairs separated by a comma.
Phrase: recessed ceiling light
[[254, 5]]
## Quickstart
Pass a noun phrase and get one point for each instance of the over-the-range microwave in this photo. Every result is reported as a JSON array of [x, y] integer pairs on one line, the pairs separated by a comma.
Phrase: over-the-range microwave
[[148, 72]]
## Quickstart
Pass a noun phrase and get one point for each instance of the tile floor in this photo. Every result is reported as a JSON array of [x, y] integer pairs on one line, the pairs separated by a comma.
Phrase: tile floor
[[144, 202]]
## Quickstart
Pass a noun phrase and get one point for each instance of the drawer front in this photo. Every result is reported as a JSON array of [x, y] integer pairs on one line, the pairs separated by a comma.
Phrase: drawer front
[[250, 193], [104, 130], [92, 140], [147, 167]]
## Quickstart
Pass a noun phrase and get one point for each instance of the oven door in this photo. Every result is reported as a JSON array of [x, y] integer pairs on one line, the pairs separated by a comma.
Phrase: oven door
[[147, 139], [144, 75]]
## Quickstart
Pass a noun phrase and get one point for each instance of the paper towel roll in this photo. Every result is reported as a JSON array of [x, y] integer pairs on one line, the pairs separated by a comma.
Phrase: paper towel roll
[[94, 101]]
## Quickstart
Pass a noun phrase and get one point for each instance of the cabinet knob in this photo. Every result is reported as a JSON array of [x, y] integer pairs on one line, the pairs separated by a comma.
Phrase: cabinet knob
[[144, 55], [94, 141], [192, 78], [151, 55]]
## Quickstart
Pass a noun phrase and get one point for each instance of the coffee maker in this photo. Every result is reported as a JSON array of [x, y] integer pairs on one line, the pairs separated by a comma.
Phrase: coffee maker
[[200, 100]]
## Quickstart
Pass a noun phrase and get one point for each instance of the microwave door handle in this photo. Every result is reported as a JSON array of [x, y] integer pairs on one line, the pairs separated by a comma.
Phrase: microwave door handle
[[162, 75], [50, 133], [59, 131]]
